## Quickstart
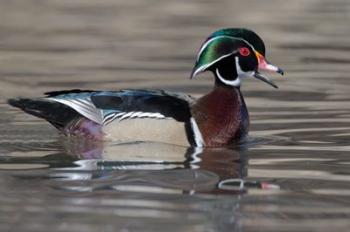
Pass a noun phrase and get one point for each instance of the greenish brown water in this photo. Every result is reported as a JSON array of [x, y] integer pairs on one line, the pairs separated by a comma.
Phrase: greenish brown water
[[292, 174]]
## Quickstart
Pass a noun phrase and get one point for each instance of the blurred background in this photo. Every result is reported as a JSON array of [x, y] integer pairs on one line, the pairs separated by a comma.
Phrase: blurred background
[[111, 44]]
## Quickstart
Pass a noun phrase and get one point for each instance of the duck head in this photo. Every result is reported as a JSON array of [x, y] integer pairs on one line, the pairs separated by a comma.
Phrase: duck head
[[232, 54]]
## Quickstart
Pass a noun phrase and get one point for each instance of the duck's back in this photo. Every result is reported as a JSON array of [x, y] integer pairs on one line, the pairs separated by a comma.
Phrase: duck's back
[[125, 116]]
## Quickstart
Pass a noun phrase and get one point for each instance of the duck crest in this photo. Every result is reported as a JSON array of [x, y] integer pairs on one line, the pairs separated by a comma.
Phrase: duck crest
[[221, 116]]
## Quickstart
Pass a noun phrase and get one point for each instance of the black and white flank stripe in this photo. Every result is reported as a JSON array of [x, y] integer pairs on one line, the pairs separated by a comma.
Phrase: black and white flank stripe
[[130, 115]]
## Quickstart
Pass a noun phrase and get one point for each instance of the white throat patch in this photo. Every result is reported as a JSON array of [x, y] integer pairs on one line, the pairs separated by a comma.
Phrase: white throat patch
[[240, 72], [236, 82]]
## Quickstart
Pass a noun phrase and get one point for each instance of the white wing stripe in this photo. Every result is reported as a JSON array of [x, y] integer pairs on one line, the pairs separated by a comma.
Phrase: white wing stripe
[[126, 115], [136, 114], [110, 119], [109, 116], [152, 115], [130, 115]]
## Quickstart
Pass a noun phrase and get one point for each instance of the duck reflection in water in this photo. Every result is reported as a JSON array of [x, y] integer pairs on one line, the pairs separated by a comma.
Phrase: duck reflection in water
[[140, 166], [163, 166]]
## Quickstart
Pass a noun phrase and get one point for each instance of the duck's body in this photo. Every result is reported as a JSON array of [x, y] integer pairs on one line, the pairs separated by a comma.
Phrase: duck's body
[[144, 115], [222, 116], [219, 118]]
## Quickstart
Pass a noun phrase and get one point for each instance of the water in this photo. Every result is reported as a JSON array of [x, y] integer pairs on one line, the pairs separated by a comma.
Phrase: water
[[292, 175]]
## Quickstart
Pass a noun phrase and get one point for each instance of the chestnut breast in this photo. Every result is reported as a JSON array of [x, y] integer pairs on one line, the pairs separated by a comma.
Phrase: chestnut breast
[[221, 116]]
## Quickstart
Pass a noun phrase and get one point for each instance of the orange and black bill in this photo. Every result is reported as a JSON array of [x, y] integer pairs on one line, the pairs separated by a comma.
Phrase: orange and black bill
[[264, 65]]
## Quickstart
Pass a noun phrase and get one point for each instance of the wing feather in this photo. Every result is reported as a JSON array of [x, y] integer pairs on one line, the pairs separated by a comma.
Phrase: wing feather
[[104, 107], [83, 106]]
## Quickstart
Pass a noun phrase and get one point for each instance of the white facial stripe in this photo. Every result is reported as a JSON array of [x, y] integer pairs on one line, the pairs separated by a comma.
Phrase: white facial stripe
[[235, 83], [200, 69], [221, 36], [207, 43]]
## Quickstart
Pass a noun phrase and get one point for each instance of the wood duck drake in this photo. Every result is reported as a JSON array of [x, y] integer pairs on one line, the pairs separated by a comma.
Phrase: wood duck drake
[[219, 118]]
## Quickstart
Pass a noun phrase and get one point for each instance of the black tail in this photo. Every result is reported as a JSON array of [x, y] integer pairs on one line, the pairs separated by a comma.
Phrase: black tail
[[55, 113]]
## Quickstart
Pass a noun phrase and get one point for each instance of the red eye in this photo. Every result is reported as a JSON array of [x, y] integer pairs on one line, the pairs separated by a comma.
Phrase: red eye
[[244, 51]]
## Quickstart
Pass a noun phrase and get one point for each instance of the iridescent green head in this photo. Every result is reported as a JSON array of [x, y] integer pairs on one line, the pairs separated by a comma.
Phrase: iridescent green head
[[249, 36], [231, 54]]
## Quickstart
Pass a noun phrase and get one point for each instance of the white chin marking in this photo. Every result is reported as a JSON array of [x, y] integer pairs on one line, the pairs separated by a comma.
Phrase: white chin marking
[[235, 83], [240, 72]]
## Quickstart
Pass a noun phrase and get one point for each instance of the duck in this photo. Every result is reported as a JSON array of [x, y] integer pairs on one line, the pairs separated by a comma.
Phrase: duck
[[219, 118]]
